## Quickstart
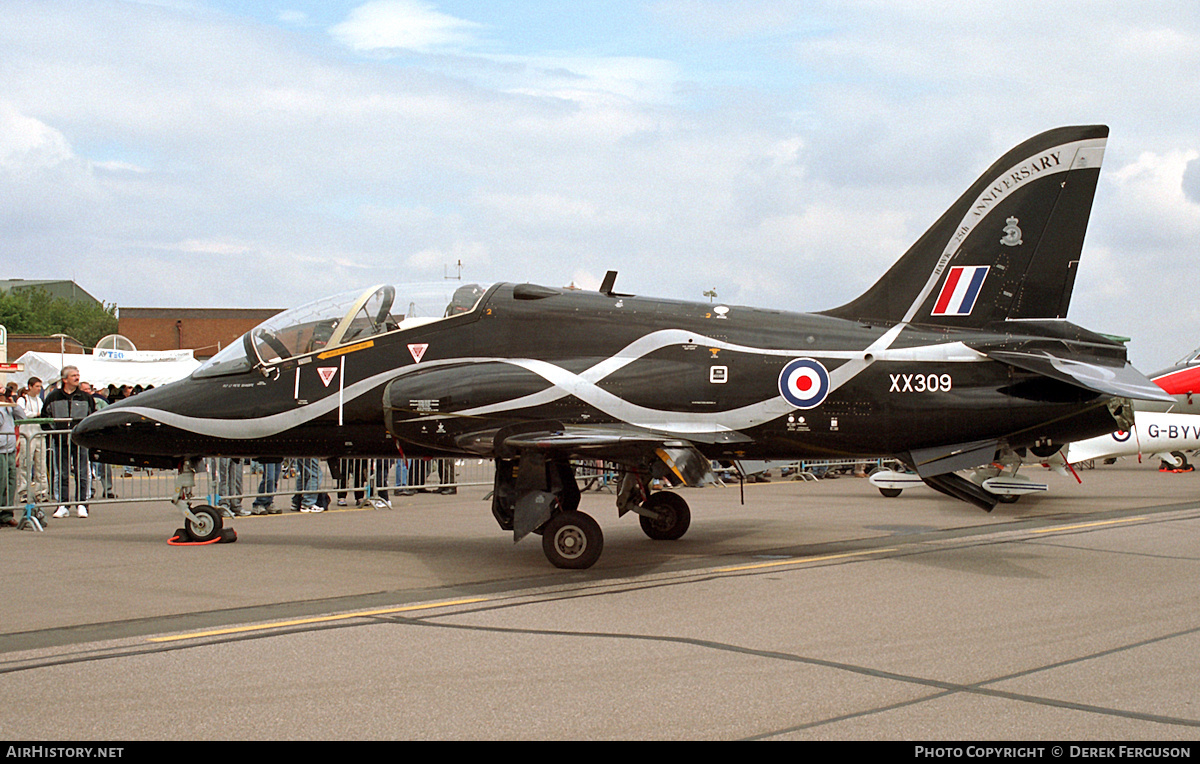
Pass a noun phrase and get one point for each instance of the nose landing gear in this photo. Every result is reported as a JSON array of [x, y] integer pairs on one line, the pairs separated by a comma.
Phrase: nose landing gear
[[201, 524]]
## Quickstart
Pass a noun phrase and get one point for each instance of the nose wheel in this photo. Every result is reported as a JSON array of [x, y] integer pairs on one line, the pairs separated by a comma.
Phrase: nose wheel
[[206, 526], [572, 540], [201, 524]]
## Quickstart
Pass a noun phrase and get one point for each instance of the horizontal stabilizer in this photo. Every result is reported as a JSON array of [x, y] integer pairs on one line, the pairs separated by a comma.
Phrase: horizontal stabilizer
[[1122, 381]]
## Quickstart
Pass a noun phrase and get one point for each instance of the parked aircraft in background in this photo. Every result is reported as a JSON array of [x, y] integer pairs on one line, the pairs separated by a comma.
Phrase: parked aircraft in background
[[959, 355], [1182, 381], [1155, 435]]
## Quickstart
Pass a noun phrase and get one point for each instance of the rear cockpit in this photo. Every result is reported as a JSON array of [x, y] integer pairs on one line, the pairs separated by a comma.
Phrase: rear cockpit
[[341, 320], [1191, 359]]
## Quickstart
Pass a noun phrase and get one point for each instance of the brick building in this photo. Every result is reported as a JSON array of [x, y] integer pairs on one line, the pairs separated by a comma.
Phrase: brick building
[[20, 344], [203, 330]]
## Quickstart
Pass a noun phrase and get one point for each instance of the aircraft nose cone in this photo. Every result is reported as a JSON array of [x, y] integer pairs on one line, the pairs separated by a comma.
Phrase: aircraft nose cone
[[90, 433]]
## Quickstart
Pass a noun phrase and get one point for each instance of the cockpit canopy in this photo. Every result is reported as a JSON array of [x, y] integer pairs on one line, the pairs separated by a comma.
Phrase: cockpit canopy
[[1191, 359], [343, 319]]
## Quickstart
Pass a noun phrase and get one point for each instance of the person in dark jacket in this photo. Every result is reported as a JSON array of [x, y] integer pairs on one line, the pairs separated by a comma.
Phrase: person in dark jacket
[[69, 404]]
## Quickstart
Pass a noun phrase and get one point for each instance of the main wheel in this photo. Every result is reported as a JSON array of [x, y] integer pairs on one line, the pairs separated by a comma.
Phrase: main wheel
[[891, 493], [673, 519], [572, 540], [1008, 498], [1183, 462], [207, 525]]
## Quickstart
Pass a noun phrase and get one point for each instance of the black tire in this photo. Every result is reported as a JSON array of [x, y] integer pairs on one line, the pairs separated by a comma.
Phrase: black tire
[[675, 516], [1007, 498], [209, 526], [891, 493], [572, 540], [1183, 462]]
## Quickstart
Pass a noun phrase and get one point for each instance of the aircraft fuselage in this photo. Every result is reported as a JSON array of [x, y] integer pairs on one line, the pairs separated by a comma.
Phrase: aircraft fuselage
[[736, 382]]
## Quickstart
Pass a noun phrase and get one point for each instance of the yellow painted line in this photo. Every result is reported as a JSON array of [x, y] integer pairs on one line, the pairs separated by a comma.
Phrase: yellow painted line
[[801, 560], [307, 621], [347, 349], [1096, 524]]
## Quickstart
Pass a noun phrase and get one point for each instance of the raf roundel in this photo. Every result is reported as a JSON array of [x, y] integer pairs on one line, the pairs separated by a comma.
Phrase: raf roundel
[[804, 383]]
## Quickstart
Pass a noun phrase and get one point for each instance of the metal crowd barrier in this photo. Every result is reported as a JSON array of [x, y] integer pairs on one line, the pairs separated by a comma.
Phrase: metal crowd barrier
[[814, 469], [52, 472], [236, 483]]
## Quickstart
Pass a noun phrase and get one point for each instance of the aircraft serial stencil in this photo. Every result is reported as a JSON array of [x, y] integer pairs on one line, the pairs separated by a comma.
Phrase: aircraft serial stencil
[[959, 355]]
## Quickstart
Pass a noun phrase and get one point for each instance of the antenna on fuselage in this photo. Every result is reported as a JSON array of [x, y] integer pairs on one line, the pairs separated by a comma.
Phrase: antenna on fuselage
[[610, 281]]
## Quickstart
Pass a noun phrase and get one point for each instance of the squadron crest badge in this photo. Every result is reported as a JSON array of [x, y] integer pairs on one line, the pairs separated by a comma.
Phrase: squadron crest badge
[[1012, 234]]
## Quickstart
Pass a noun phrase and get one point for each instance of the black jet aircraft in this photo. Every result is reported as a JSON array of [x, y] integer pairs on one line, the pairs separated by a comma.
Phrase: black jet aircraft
[[958, 355]]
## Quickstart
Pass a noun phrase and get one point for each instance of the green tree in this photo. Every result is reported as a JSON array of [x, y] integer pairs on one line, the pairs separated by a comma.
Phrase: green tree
[[35, 311]]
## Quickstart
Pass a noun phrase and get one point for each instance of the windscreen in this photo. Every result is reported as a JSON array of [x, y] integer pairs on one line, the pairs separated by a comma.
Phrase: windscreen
[[344, 319]]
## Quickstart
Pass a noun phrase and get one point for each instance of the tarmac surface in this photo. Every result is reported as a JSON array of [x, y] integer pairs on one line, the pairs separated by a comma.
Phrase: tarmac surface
[[814, 611]]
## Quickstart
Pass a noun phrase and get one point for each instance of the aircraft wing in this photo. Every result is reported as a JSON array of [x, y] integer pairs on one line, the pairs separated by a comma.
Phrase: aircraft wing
[[1122, 381], [684, 463]]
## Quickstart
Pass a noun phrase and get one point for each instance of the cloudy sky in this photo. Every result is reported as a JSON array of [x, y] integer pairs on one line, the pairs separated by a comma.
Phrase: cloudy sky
[[240, 154]]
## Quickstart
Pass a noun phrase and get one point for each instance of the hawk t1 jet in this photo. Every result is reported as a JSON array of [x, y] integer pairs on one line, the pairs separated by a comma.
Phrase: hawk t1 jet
[[958, 354]]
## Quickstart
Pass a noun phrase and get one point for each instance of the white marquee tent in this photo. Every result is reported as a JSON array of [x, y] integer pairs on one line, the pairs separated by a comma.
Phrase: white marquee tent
[[109, 367]]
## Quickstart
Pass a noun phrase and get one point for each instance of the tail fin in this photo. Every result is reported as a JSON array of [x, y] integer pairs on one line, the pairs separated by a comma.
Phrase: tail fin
[[1008, 248]]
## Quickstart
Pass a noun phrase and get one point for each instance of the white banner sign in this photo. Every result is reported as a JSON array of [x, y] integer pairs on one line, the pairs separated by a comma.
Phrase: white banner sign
[[142, 355]]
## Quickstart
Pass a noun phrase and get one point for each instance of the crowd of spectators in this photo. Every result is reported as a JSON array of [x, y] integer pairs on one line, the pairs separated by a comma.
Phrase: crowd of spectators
[[61, 473]]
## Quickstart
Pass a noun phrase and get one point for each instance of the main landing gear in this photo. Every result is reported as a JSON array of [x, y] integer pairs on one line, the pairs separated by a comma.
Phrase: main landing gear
[[534, 494], [665, 516], [572, 540]]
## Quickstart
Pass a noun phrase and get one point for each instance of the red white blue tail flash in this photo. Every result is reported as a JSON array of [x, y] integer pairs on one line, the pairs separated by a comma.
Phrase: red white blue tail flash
[[960, 291]]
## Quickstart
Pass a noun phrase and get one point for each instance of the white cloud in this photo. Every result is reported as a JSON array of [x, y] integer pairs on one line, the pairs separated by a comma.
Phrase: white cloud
[[223, 248], [293, 17], [403, 24], [593, 79], [28, 144], [1156, 211]]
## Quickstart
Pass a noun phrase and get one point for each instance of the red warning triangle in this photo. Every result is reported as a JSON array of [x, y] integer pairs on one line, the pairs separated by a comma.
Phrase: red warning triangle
[[418, 351], [327, 373]]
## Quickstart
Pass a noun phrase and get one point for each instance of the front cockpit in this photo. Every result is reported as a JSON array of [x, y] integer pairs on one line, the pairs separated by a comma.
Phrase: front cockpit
[[342, 320]]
